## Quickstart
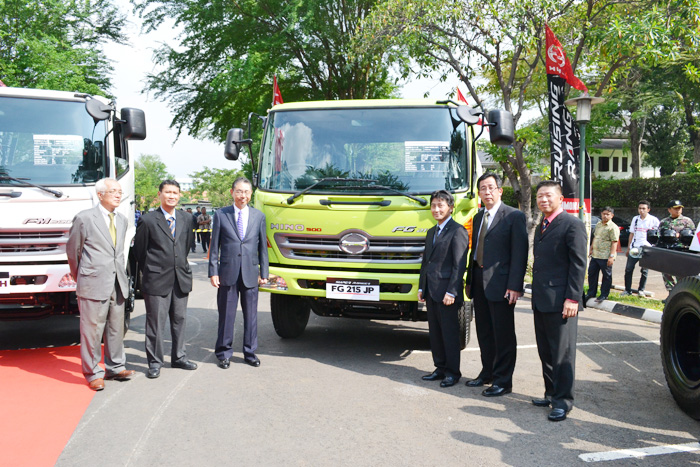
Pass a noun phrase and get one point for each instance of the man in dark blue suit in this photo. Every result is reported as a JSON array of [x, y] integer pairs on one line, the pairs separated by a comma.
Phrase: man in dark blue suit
[[237, 264], [441, 286], [495, 282], [560, 250]]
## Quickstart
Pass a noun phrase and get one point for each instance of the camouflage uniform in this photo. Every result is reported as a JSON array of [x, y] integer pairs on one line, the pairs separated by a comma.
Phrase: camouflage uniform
[[679, 223]]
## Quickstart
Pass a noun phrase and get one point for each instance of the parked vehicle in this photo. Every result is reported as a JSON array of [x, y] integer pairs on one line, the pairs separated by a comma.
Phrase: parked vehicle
[[620, 222]]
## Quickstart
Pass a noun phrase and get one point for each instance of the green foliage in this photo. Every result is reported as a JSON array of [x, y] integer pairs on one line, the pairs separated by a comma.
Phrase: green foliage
[[214, 185], [55, 44], [150, 171], [666, 142], [658, 191], [229, 52]]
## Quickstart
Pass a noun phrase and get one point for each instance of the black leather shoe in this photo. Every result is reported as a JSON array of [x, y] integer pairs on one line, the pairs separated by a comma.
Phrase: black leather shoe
[[495, 391], [434, 376], [449, 381], [557, 415], [153, 373], [476, 382], [541, 402], [185, 365], [253, 361], [224, 363]]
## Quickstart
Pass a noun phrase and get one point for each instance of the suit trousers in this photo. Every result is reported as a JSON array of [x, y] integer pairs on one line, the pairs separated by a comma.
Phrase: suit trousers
[[227, 302], [556, 345], [98, 318], [495, 329], [158, 309], [443, 330]]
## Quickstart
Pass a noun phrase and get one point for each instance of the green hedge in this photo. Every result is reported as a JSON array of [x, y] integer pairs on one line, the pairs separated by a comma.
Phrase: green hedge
[[627, 193]]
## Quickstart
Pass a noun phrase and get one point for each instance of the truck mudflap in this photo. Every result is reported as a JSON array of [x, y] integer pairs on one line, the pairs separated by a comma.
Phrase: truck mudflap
[[675, 263]]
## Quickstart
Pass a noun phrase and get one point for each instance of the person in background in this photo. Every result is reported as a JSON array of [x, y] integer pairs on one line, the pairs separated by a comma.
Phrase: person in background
[[603, 251], [204, 221], [641, 224], [677, 222], [193, 246]]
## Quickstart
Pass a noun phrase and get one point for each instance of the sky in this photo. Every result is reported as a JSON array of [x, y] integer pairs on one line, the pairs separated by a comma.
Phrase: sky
[[185, 155]]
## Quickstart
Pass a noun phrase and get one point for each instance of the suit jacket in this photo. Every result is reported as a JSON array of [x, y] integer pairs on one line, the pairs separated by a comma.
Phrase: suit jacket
[[161, 258], [93, 259], [229, 256], [505, 252], [444, 262], [560, 264]]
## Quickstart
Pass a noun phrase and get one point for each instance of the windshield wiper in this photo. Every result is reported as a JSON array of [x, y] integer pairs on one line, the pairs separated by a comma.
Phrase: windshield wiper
[[56, 193], [291, 199]]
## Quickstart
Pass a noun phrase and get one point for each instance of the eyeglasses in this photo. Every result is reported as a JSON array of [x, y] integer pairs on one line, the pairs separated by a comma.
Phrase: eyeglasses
[[488, 189], [242, 192], [113, 192]]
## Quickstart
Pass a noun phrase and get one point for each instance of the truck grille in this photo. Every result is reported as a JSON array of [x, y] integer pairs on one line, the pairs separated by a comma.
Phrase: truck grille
[[387, 250], [33, 242]]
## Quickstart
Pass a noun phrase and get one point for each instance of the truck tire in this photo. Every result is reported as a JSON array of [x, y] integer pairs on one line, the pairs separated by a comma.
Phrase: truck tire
[[289, 315], [465, 315], [680, 345]]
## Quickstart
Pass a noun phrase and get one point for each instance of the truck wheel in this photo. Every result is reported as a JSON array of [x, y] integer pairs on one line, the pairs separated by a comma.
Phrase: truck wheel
[[289, 315], [680, 345], [465, 314]]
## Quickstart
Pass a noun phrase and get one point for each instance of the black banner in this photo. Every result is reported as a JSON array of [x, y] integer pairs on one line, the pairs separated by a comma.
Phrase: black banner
[[564, 146]]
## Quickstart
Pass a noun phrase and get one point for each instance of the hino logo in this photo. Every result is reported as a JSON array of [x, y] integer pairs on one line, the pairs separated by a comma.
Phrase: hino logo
[[46, 220], [295, 227], [354, 243]]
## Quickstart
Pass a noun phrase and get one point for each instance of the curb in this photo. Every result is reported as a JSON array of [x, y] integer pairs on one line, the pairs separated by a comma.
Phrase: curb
[[647, 314]]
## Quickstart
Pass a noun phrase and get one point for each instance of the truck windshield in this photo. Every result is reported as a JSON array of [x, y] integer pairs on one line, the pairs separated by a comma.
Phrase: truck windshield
[[414, 150], [50, 142]]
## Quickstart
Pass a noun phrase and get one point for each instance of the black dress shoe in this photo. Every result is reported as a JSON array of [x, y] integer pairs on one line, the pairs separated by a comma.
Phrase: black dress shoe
[[434, 376], [253, 361], [153, 373], [557, 415], [541, 402], [185, 365], [476, 382], [224, 363], [449, 381], [495, 391]]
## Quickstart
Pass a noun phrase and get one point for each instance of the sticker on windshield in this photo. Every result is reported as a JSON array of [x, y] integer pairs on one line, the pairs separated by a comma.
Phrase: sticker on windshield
[[58, 149], [427, 156]]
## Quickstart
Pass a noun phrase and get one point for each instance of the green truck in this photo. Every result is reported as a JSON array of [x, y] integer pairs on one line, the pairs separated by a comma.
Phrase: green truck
[[345, 188]]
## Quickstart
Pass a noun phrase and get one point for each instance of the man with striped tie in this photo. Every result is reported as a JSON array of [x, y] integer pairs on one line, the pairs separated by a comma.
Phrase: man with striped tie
[[162, 242], [237, 264]]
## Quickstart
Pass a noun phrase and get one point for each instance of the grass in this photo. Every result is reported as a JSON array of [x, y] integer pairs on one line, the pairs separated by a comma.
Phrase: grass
[[633, 300]]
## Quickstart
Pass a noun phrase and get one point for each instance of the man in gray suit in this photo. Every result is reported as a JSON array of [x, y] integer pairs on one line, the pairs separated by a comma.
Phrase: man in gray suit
[[162, 243], [95, 252], [237, 264]]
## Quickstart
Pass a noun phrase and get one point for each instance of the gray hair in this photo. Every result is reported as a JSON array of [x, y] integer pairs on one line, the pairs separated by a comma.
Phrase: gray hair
[[101, 185]]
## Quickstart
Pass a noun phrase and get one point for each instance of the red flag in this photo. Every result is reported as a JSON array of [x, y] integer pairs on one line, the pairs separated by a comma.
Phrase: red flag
[[558, 64], [2, 85], [276, 94], [460, 97]]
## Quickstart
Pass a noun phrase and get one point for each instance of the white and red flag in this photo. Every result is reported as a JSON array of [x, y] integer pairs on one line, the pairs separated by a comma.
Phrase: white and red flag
[[276, 94]]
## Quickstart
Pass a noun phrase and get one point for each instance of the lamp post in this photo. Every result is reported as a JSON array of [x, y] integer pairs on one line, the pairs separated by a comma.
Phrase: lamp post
[[583, 116]]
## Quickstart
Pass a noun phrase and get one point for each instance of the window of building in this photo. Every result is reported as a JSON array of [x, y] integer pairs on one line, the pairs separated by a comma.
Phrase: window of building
[[603, 164], [616, 164]]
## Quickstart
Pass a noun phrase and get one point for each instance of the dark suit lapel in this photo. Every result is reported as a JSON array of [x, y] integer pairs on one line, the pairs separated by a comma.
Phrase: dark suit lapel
[[445, 231], [429, 236], [500, 214], [232, 218], [102, 226], [179, 224], [476, 225], [163, 224], [554, 224]]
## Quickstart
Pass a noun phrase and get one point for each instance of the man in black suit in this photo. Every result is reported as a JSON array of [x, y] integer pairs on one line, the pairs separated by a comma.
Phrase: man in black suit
[[163, 240], [495, 282], [560, 248], [441, 286], [237, 264]]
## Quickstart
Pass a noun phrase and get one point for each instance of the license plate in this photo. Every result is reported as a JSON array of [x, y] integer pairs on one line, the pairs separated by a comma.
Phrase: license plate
[[352, 289]]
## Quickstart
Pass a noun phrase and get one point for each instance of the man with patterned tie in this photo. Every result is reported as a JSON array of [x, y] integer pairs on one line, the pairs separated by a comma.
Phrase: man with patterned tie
[[237, 265], [95, 251], [162, 243]]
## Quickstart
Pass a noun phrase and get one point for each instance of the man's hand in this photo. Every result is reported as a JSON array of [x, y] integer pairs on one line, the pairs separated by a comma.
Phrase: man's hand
[[570, 309], [512, 296], [611, 261], [420, 297], [261, 281], [214, 281], [448, 300]]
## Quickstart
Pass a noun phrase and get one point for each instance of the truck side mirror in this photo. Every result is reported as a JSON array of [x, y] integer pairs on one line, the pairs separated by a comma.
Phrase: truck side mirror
[[468, 115], [134, 126], [501, 127], [232, 149]]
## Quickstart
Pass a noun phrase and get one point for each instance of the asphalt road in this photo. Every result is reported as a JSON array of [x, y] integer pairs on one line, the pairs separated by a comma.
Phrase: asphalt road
[[348, 392]]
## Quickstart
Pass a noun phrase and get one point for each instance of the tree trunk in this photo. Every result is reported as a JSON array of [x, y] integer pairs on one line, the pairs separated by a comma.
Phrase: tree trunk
[[519, 175], [636, 132]]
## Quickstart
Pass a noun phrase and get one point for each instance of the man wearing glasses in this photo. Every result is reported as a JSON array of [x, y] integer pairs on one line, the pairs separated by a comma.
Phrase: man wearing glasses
[[495, 274], [95, 252], [237, 265]]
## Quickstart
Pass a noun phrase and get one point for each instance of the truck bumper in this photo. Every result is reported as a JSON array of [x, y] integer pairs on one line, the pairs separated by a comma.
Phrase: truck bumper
[[34, 290]]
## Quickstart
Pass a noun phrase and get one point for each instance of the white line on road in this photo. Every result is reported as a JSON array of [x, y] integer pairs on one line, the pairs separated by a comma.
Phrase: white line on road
[[580, 344], [639, 453]]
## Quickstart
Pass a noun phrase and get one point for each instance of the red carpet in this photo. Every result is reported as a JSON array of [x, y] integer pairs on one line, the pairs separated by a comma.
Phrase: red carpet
[[43, 395]]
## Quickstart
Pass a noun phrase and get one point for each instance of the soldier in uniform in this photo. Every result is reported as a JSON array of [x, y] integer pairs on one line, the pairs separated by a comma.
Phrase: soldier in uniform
[[677, 222]]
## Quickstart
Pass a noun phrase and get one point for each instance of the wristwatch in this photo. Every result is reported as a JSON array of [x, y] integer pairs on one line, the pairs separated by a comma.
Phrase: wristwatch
[[612, 256]]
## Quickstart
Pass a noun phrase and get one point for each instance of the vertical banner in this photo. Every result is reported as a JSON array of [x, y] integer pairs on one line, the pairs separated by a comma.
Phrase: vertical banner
[[564, 136]]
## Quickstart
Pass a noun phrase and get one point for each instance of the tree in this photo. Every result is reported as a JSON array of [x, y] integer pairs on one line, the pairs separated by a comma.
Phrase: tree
[[229, 51], [150, 171], [214, 185], [666, 141], [55, 44]]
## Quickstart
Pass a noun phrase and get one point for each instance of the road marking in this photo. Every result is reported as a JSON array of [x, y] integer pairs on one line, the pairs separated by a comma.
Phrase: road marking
[[639, 453], [580, 344]]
